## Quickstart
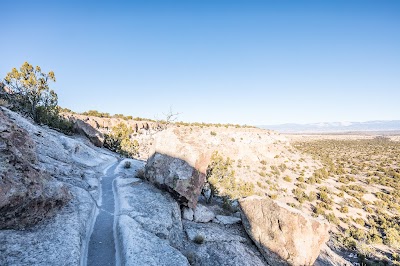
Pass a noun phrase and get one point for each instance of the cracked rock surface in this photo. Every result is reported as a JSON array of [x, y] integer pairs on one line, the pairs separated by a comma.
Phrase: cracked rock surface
[[150, 230], [52, 163], [284, 235]]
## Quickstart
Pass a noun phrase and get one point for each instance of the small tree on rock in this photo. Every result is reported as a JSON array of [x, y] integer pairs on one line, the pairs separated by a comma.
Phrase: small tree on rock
[[30, 89], [28, 92]]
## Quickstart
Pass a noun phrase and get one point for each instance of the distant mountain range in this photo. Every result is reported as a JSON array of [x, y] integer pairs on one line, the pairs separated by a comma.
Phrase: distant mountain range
[[337, 127]]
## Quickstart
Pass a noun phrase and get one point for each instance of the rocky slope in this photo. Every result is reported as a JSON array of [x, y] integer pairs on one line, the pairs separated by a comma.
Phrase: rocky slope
[[151, 230], [259, 157], [160, 225], [105, 124], [27, 194], [50, 170]]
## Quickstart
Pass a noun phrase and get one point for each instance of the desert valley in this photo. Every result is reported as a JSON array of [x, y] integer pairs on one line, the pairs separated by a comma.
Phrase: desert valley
[[200, 133]]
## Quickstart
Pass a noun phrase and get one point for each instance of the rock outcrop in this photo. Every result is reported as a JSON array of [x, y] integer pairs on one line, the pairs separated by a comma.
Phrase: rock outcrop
[[95, 136], [141, 247], [107, 123], [27, 194], [62, 161], [41, 164], [149, 227], [284, 236], [150, 230], [176, 176]]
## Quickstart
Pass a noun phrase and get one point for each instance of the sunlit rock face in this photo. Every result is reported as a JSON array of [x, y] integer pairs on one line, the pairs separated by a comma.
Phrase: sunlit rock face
[[285, 236], [96, 137]]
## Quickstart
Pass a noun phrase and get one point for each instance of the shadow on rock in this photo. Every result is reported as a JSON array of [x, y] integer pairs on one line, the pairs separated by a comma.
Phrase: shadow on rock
[[183, 181], [27, 194]]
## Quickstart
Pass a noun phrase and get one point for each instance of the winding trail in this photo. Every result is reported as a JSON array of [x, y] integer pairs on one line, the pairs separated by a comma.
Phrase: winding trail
[[101, 250]]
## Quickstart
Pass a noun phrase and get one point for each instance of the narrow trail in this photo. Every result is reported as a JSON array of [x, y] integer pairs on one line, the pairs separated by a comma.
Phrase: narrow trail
[[101, 250]]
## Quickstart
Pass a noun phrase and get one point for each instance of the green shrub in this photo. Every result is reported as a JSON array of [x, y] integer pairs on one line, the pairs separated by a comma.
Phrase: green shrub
[[263, 174], [392, 237], [273, 196], [54, 120], [312, 196], [344, 209], [324, 205], [29, 93], [198, 239], [360, 221], [282, 167], [127, 165], [301, 185], [356, 233], [275, 170], [287, 178], [343, 180], [96, 114], [300, 195], [222, 179], [332, 218], [374, 236], [311, 180], [324, 197], [318, 210], [244, 189], [119, 141]]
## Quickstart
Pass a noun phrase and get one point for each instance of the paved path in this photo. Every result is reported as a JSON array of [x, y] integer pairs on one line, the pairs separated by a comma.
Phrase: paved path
[[101, 246]]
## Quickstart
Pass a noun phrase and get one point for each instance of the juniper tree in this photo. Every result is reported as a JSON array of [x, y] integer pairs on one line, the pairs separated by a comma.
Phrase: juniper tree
[[29, 87]]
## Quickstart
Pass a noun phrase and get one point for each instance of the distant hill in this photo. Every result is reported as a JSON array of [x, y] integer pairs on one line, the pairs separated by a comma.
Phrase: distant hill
[[337, 127]]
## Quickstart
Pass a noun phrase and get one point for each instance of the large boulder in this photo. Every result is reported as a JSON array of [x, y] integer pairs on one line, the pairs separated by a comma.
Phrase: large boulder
[[284, 235], [27, 194], [177, 176], [95, 136], [149, 231]]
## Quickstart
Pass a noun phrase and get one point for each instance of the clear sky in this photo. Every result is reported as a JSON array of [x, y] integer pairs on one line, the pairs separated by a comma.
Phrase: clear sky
[[248, 62]]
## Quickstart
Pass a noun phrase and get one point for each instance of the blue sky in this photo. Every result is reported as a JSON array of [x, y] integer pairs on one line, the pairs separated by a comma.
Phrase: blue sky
[[248, 62]]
